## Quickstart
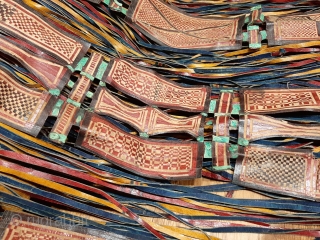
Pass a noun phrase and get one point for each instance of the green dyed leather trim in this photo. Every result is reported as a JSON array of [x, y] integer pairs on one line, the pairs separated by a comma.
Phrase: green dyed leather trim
[[212, 106], [101, 70], [144, 135], [58, 137], [220, 139], [234, 123], [254, 45], [207, 149], [54, 92], [74, 103], [56, 109], [209, 123], [263, 35], [70, 84], [236, 109], [221, 168], [243, 142], [204, 114], [89, 94], [70, 68], [233, 148], [255, 8], [81, 64], [245, 37], [226, 90], [102, 84], [254, 27], [87, 75], [200, 139]]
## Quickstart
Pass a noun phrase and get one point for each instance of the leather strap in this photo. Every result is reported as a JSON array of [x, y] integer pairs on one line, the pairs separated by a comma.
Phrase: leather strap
[[147, 120], [145, 157], [155, 90]]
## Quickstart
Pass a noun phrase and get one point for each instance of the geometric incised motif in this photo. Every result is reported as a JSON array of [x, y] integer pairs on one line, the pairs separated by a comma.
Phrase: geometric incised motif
[[152, 158], [82, 86], [293, 29], [51, 75], [21, 107], [253, 127], [280, 170], [145, 119], [170, 26], [280, 100], [24, 24], [153, 89]]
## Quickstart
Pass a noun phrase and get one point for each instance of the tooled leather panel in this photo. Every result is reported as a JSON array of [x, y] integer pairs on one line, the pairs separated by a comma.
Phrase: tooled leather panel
[[279, 100], [145, 119], [23, 108], [152, 158], [152, 89], [253, 127], [22, 22], [291, 172], [169, 26], [51, 75], [293, 28]]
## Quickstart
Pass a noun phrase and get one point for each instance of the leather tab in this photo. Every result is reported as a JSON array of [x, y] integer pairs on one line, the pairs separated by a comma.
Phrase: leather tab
[[145, 119], [155, 90], [291, 172], [253, 127], [152, 158], [279, 100]]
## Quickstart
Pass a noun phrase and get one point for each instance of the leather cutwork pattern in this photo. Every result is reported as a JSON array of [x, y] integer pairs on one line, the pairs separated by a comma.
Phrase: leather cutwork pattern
[[286, 171], [21, 107], [159, 159], [279, 100], [172, 27], [145, 119], [155, 90], [254, 127], [293, 29], [22, 23]]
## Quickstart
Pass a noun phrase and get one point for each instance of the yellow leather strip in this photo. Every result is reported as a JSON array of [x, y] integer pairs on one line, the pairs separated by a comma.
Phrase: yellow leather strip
[[192, 233], [58, 187], [314, 71]]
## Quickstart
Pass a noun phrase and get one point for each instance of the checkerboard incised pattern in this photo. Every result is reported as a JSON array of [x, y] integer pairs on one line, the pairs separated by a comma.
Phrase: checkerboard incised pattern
[[284, 170], [154, 90], [178, 30], [147, 157], [19, 21]]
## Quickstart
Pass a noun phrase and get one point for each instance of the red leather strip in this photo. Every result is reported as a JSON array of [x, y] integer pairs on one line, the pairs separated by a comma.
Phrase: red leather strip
[[82, 186], [145, 119], [52, 75], [153, 89], [157, 159]]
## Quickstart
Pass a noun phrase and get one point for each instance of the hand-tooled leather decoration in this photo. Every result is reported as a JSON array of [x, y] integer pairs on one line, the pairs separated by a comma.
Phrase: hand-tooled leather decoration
[[152, 158], [169, 26], [155, 90], [292, 172]]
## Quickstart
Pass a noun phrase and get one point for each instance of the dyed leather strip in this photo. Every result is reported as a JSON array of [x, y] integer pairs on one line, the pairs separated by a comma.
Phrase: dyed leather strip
[[67, 118], [22, 22], [293, 28], [291, 172], [23, 108], [167, 25], [145, 119], [153, 89], [253, 127], [220, 152], [157, 159], [279, 100], [79, 91], [52, 75]]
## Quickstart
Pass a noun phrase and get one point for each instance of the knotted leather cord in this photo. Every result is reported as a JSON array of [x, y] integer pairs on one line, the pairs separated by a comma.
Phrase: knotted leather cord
[[250, 62]]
